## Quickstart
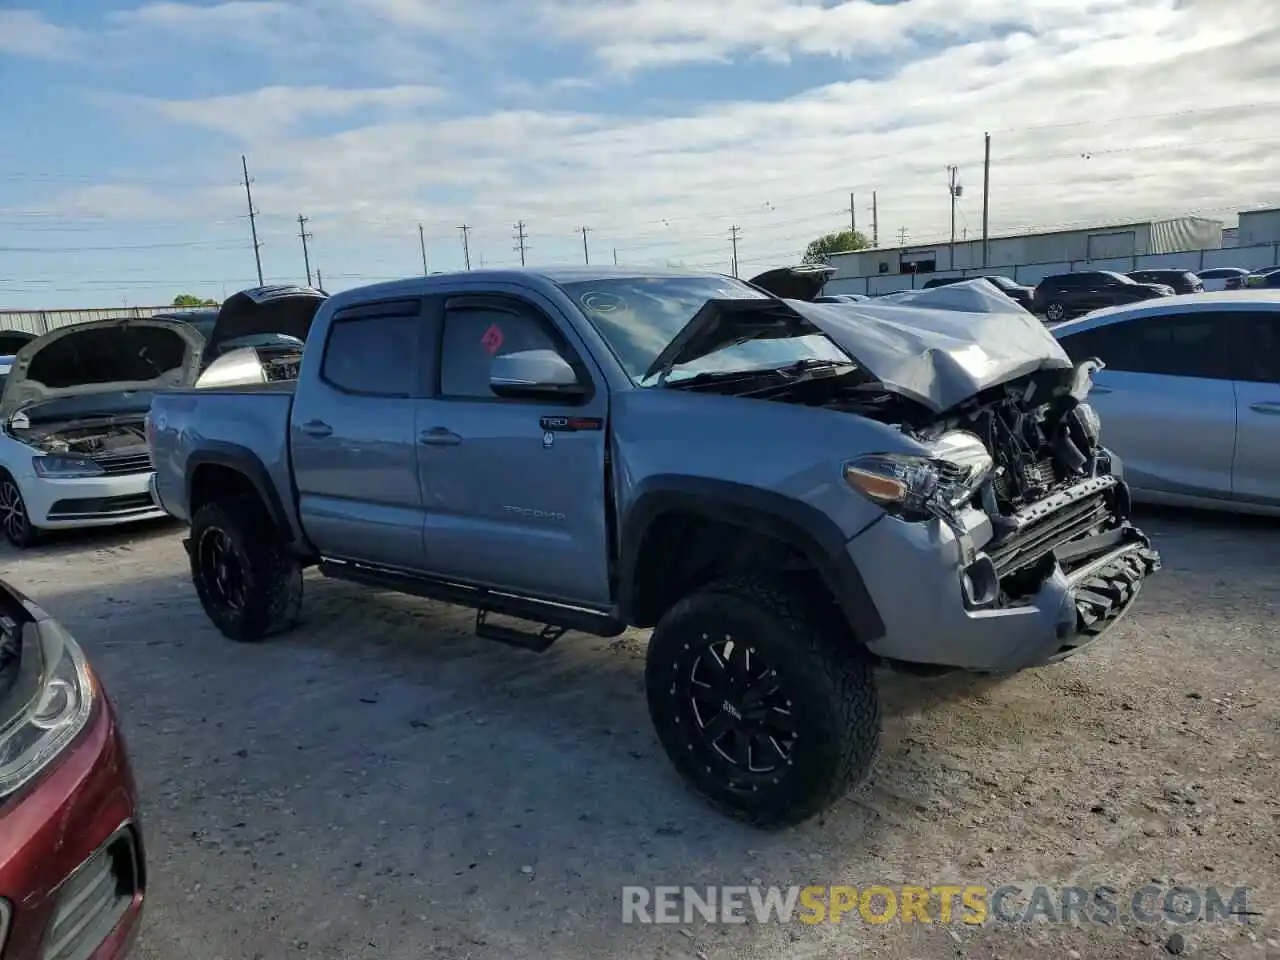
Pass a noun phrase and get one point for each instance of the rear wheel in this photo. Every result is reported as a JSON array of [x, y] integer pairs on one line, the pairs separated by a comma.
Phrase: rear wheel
[[766, 707], [13, 514], [249, 585], [1055, 311]]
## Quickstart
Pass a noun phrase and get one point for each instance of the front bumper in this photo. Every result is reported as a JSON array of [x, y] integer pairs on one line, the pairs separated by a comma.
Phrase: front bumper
[[938, 596], [71, 854], [91, 501]]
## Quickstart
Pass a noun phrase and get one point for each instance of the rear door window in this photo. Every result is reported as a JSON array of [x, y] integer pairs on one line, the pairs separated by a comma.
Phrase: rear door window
[[1190, 345]]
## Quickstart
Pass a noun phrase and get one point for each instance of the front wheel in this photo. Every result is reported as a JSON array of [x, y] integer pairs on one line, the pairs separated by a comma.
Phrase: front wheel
[[13, 514], [249, 585], [1055, 312], [764, 704]]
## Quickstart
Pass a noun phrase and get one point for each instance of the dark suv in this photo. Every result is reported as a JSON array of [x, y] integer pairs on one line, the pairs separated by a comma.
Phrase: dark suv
[[1182, 281], [1068, 295], [1017, 292]]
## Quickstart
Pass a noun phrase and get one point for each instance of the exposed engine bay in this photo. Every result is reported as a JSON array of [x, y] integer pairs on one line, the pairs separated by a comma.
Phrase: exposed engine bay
[[93, 439]]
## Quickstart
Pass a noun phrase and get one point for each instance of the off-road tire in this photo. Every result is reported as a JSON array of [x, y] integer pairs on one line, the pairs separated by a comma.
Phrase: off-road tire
[[826, 675], [272, 577], [18, 529], [1057, 308]]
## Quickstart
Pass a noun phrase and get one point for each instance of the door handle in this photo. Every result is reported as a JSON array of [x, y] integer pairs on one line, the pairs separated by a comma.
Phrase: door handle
[[439, 437], [1270, 407], [317, 428]]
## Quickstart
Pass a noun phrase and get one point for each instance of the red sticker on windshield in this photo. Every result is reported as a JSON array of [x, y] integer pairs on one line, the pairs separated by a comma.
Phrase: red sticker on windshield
[[492, 339]]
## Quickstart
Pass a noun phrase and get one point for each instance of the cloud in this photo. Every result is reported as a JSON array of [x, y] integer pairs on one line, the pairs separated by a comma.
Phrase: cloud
[[268, 111], [1100, 111], [235, 17], [26, 33]]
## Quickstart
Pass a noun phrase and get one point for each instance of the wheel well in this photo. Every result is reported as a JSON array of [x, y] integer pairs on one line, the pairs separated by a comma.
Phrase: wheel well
[[217, 481], [683, 551]]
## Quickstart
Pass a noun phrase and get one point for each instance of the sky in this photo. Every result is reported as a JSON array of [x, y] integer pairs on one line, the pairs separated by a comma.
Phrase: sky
[[657, 125]]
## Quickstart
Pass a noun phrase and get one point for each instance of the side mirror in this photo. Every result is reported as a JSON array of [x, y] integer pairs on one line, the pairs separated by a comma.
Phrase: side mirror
[[534, 374]]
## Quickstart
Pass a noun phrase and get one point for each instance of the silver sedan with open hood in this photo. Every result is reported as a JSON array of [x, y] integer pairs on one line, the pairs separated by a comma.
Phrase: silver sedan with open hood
[[73, 449]]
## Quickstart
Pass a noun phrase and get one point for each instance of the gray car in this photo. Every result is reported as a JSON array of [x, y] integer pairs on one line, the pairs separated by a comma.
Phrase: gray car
[[1190, 396], [788, 493]]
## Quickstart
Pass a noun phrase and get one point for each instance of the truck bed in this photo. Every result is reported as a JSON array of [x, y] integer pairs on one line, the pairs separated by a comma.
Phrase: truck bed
[[231, 425]]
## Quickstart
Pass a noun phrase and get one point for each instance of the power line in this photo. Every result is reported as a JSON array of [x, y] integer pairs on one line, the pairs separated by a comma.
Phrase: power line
[[253, 214], [306, 257], [520, 240]]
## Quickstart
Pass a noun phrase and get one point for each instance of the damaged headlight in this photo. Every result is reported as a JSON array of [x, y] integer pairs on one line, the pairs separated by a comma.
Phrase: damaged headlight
[[65, 468], [920, 487], [46, 704]]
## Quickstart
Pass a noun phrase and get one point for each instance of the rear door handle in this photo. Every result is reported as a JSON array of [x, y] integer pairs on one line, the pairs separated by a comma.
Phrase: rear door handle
[[439, 437], [1270, 407], [317, 428]]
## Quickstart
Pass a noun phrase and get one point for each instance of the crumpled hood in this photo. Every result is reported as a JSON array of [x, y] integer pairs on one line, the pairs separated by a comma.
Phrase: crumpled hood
[[941, 354], [123, 356], [287, 310]]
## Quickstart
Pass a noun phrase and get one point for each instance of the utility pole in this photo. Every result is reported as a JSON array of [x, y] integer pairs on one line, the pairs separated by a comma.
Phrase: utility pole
[[953, 190], [466, 246], [986, 194], [319, 281], [875, 221], [306, 257], [853, 214], [902, 236], [422, 246], [733, 239], [520, 240], [586, 254], [615, 256], [253, 215]]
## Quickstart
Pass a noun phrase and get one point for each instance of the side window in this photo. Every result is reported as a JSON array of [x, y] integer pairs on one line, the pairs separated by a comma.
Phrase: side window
[[1193, 345], [474, 335], [1257, 336], [372, 355]]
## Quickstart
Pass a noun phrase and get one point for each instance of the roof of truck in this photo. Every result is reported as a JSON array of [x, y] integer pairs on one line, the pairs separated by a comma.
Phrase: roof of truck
[[411, 286]]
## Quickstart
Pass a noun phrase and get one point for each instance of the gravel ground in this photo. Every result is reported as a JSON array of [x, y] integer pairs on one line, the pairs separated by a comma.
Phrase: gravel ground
[[381, 784]]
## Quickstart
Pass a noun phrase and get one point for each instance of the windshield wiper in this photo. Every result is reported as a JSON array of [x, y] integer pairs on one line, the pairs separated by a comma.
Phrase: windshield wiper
[[810, 368]]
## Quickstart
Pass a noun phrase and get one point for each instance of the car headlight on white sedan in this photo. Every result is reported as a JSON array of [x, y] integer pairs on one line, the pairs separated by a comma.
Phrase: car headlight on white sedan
[[58, 467], [46, 698], [914, 487]]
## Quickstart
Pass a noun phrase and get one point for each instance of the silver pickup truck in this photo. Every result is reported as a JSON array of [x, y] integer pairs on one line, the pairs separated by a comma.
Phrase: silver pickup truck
[[789, 493]]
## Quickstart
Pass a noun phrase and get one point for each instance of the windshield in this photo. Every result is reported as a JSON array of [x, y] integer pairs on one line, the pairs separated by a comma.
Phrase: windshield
[[638, 316]]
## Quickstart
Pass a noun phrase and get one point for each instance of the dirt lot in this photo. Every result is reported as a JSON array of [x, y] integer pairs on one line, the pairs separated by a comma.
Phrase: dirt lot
[[381, 784]]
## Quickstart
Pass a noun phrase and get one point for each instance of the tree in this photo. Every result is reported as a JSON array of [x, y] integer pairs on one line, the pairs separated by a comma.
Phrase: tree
[[191, 300], [843, 241]]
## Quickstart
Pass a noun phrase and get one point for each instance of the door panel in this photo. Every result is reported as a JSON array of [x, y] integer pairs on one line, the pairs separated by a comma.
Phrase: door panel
[[355, 456], [1256, 474], [510, 500], [1166, 399], [1174, 434]]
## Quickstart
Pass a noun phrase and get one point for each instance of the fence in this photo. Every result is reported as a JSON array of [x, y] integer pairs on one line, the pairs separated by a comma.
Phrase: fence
[[1254, 257], [42, 321]]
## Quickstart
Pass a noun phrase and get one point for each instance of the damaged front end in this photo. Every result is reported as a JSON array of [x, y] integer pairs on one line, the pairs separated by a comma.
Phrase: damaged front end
[[1028, 455]]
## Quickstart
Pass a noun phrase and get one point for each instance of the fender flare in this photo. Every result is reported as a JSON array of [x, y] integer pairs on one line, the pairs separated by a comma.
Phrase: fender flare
[[803, 527], [248, 464]]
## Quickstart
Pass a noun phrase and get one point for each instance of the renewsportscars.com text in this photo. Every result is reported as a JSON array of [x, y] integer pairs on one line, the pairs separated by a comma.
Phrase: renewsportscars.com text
[[972, 904]]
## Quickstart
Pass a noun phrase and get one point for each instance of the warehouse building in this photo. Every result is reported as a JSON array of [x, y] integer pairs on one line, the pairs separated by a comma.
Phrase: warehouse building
[[1096, 243]]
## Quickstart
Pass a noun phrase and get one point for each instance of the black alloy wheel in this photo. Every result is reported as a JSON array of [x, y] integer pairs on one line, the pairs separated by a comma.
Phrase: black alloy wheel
[[222, 570], [13, 514], [736, 702]]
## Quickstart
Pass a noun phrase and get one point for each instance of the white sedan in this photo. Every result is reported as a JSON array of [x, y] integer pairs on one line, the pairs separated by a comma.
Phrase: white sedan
[[73, 451]]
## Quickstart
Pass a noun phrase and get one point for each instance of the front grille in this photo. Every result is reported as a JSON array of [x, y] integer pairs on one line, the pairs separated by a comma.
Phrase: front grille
[[126, 463], [87, 508], [92, 901], [1045, 526]]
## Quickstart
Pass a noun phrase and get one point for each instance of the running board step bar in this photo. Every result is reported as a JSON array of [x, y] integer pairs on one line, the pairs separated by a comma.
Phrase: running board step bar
[[555, 618]]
